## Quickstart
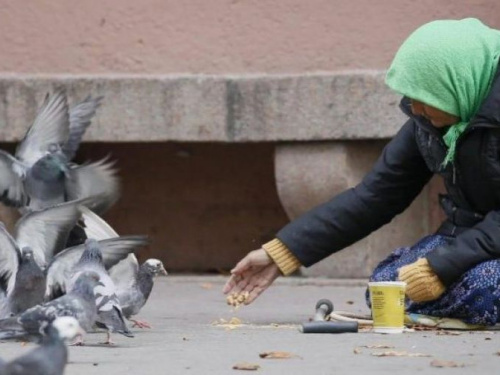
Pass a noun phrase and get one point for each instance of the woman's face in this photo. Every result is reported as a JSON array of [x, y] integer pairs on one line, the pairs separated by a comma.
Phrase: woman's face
[[437, 118]]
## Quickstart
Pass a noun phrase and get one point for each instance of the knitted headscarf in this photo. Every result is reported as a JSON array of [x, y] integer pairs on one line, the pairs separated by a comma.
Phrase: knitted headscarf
[[449, 65]]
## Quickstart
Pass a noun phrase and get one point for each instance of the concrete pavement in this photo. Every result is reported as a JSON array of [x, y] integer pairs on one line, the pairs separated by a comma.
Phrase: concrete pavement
[[184, 339]]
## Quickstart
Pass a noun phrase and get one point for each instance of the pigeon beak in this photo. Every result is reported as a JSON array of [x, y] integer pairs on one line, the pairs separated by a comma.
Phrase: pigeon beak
[[163, 271]]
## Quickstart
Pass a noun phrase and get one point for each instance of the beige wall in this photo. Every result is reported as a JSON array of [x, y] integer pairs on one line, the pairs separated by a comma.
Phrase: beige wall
[[214, 36]]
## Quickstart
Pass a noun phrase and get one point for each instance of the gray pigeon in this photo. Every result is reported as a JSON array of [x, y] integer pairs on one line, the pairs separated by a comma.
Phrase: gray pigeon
[[134, 284], [78, 303], [38, 236], [29, 287], [41, 175], [96, 257], [51, 356]]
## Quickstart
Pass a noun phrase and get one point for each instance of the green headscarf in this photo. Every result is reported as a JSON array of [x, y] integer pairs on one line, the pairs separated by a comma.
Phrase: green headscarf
[[449, 65]]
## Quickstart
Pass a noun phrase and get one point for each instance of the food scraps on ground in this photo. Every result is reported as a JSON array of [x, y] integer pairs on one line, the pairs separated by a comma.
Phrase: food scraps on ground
[[441, 363], [207, 285], [246, 366], [399, 354], [277, 355]]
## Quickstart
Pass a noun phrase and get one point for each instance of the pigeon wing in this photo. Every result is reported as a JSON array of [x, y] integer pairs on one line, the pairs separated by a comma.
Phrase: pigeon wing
[[113, 250], [80, 117], [11, 184], [5, 310], [51, 127], [96, 227], [47, 231], [35, 319], [94, 179], [124, 273], [9, 260]]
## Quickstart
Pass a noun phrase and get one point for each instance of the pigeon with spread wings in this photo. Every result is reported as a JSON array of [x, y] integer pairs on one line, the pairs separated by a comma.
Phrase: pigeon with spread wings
[[41, 174], [134, 283]]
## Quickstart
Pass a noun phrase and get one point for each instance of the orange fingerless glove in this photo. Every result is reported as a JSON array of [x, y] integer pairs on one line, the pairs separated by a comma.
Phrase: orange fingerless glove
[[422, 284]]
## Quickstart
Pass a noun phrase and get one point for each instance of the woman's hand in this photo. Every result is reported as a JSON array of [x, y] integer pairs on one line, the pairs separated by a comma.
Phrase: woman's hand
[[253, 274], [422, 284]]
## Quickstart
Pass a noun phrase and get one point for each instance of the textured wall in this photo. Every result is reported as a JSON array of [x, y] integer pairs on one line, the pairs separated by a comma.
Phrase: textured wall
[[215, 36]]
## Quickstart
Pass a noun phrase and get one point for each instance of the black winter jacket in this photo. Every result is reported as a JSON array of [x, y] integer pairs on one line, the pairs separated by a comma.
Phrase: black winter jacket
[[406, 165]]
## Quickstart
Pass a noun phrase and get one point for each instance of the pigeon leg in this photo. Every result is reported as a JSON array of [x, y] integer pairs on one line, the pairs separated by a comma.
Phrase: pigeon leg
[[108, 340], [140, 324], [78, 341]]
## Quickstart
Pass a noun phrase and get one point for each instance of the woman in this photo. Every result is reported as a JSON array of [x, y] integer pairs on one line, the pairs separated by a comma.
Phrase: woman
[[447, 72]]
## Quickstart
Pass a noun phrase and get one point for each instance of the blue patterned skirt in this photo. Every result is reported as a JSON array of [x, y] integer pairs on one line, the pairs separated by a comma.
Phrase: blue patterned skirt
[[474, 298]]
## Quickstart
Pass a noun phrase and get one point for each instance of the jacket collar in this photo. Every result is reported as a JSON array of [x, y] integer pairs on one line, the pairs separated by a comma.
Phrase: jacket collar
[[489, 112]]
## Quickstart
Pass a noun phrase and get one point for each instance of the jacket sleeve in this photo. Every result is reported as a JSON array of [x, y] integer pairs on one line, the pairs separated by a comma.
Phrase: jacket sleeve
[[474, 246], [395, 180]]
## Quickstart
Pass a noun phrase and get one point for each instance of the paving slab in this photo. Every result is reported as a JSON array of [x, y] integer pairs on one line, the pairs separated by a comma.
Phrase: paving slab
[[184, 340]]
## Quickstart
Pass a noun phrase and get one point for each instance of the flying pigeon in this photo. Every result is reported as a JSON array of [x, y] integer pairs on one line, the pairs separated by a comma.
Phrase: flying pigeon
[[38, 235], [134, 284], [96, 257], [78, 303], [41, 173], [51, 356]]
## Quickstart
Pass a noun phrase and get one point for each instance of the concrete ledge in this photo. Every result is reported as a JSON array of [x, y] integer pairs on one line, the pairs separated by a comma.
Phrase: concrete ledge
[[347, 105]]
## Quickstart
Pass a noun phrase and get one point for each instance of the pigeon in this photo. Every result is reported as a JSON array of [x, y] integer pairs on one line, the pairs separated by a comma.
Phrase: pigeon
[[134, 284], [29, 286], [96, 257], [38, 235], [51, 356], [41, 173], [78, 303]]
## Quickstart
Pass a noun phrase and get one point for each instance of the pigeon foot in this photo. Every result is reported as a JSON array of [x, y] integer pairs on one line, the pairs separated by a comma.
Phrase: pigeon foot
[[108, 340], [140, 324], [78, 341]]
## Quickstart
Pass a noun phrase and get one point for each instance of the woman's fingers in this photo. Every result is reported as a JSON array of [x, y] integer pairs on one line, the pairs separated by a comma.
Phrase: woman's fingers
[[254, 293], [238, 282], [230, 284], [243, 282], [253, 274], [260, 281]]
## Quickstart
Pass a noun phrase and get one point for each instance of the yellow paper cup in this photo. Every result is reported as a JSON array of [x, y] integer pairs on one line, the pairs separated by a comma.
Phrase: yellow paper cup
[[388, 306]]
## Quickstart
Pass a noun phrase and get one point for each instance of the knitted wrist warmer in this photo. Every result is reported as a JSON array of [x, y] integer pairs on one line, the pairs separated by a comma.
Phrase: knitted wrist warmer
[[284, 258], [422, 284]]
